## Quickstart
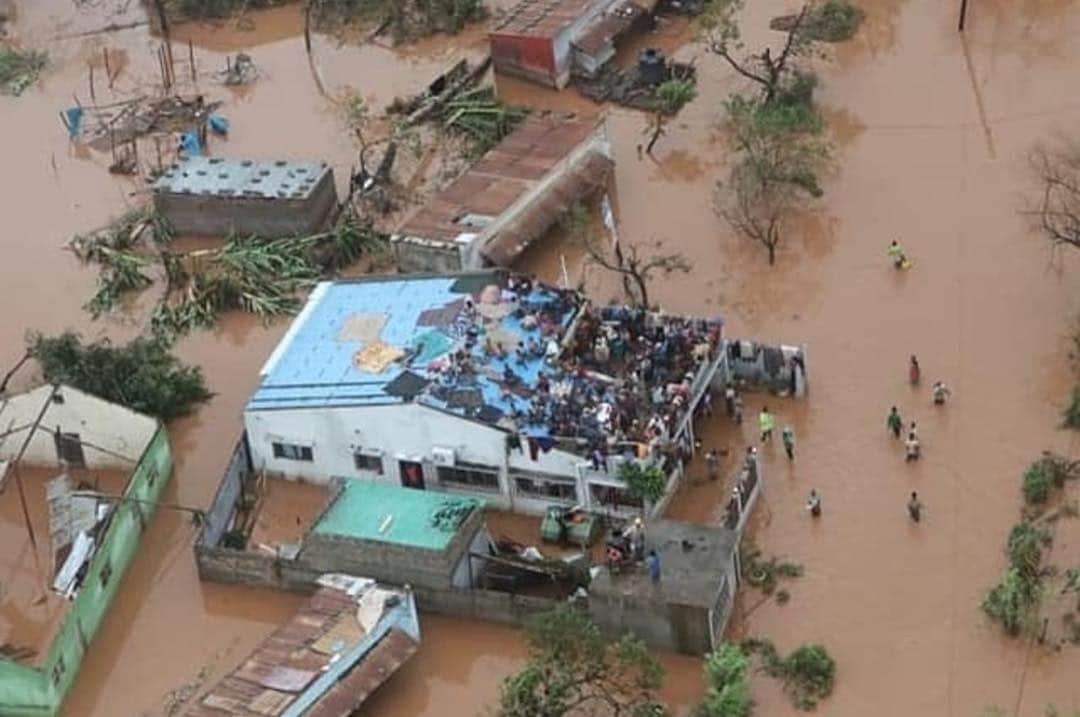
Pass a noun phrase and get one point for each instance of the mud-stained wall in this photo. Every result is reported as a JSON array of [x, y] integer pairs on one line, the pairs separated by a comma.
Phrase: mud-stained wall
[[214, 215], [421, 256]]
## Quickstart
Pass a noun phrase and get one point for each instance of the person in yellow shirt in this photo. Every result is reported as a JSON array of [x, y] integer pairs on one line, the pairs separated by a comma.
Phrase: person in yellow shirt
[[766, 422]]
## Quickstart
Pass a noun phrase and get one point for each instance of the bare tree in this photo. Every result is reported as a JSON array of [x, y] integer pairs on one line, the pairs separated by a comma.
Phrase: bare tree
[[1057, 168], [671, 96], [767, 69], [637, 265]]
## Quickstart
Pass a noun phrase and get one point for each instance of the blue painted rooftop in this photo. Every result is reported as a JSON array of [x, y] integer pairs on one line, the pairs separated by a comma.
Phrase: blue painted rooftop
[[374, 341]]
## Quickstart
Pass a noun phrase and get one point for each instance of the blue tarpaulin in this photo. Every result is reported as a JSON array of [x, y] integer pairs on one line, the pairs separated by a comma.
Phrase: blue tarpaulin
[[189, 144], [218, 124], [73, 119]]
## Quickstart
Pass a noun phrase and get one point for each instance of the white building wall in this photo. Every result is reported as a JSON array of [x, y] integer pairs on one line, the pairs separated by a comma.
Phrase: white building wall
[[399, 432], [113, 437]]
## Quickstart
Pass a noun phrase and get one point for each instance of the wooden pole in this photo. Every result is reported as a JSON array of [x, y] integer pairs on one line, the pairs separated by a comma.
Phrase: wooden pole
[[108, 69], [963, 13], [191, 58], [18, 459], [93, 97]]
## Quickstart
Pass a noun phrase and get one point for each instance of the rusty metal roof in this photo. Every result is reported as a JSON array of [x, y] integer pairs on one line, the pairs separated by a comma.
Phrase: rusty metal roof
[[543, 18], [277, 676], [501, 177], [609, 27], [590, 175]]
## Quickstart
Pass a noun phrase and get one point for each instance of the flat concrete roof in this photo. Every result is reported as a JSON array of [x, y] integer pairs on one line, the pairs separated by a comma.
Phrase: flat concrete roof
[[241, 178], [382, 512], [692, 561]]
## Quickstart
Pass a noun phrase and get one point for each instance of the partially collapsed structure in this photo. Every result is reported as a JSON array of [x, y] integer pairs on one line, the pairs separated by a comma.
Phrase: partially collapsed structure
[[547, 41], [492, 385], [269, 198], [349, 638], [79, 481], [510, 198]]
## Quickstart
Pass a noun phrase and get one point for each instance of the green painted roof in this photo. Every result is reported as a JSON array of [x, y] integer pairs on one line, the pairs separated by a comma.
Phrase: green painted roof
[[379, 511]]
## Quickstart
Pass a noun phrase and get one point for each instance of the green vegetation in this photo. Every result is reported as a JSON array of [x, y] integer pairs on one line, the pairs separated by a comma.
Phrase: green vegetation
[[808, 673], [766, 574], [833, 21], [1014, 601], [647, 482], [254, 274], [142, 375], [19, 69], [405, 19], [727, 679], [1071, 415], [671, 96], [1047, 476], [479, 116], [572, 669]]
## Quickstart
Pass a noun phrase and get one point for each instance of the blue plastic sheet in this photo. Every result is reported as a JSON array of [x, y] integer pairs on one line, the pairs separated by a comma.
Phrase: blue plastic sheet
[[189, 144], [73, 117], [218, 124]]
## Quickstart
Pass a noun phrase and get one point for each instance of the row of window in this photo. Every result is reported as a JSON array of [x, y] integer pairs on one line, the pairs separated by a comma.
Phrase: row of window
[[472, 476]]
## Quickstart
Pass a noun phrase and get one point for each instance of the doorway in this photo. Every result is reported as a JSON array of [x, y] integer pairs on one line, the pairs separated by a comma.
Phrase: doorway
[[412, 474]]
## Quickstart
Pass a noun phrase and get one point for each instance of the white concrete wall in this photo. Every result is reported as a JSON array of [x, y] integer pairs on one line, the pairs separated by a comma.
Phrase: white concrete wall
[[112, 436], [400, 432]]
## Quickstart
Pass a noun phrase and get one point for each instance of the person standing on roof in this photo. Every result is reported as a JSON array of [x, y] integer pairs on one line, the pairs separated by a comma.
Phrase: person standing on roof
[[788, 437], [766, 422], [894, 423]]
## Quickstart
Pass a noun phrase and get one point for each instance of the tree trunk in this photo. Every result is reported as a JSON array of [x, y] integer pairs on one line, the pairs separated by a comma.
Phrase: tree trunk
[[772, 253], [656, 133], [642, 290]]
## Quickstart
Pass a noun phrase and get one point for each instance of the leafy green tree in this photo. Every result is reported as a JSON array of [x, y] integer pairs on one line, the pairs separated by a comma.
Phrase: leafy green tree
[[671, 97], [780, 156], [141, 375], [648, 482], [573, 670], [728, 683], [1013, 602]]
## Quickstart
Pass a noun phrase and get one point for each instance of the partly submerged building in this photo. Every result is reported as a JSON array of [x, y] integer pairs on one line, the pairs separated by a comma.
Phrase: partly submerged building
[[79, 481], [350, 637], [510, 198], [269, 198], [494, 386], [547, 41]]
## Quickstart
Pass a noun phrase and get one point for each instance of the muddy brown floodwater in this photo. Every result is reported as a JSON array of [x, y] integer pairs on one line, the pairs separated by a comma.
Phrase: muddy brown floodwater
[[930, 131]]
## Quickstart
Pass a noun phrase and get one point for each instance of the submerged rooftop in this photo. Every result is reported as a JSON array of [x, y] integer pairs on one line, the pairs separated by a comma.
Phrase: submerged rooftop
[[242, 178], [508, 174], [542, 18], [492, 347], [381, 512]]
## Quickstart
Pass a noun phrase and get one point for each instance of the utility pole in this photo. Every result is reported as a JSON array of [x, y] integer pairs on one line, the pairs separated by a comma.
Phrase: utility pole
[[963, 13]]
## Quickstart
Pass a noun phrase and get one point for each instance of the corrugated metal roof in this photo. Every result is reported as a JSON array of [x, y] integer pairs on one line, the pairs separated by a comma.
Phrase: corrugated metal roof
[[286, 674], [501, 177], [590, 175], [543, 18]]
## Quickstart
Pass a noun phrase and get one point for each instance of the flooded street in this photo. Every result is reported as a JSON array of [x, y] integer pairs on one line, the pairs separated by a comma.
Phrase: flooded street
[[930, 133]]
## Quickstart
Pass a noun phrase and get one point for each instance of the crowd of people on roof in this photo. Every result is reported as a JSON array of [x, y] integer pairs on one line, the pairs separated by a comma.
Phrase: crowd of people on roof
[[622, 383]]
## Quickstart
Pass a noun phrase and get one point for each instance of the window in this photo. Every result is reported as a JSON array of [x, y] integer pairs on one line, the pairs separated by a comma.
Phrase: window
[[293, 452], [69, 449], [612, 497], [471, 476], [533, 485], [106, 573], [368, 462]]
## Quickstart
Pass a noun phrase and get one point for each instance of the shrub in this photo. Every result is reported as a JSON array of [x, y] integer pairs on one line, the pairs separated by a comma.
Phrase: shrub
[[1024, 547], [1012, 601], [142, 375], [647, 482], [728, 691], [833, 21], [812, 673], [20, 69], [1072, 412]]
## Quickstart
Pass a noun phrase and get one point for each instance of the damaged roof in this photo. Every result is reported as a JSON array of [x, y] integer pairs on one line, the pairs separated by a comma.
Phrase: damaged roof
[[509, 171], [378, 340], [321, 663], [543, 18], [241, 178]]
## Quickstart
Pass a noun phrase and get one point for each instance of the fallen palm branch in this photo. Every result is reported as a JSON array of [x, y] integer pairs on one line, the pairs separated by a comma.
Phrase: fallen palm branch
[[19, 69], [481, 117], [257, 275]]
